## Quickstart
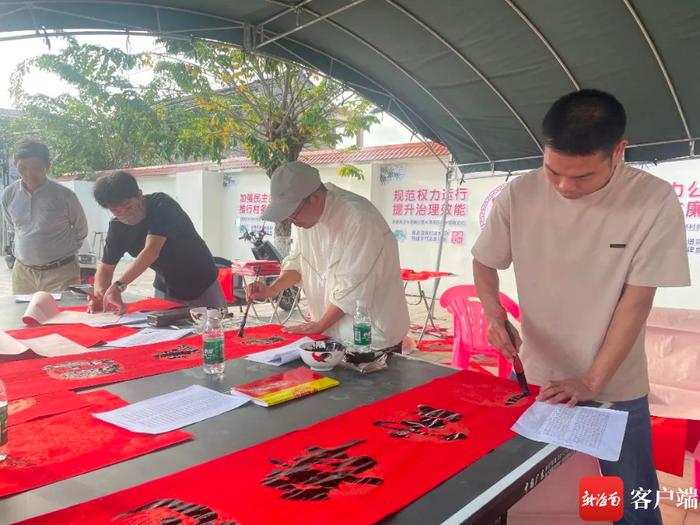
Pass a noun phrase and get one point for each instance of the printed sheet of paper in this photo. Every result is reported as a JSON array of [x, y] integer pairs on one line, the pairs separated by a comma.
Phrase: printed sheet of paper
[[149, 336], [43, 309], [27, 297], [174, 410], [11, 346], [280, 356], [53, 345], [595, 431]]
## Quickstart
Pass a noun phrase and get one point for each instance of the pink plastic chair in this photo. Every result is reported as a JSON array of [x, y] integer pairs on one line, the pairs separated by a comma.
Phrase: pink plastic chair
[[470, 326]]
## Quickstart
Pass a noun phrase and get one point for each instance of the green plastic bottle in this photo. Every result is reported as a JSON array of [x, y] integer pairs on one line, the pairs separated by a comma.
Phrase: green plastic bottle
[[362, 328]]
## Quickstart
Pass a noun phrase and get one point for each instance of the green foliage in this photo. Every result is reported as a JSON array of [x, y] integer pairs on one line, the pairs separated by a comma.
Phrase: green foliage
[[204, 99], [107, 122], [270, 108], [351, 171]]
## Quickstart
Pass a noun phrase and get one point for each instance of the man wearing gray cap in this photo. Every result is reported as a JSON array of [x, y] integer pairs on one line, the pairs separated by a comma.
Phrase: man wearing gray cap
[[344, 253]]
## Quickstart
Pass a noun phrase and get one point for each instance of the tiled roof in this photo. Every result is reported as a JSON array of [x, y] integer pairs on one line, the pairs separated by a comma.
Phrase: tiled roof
[[409, 150]]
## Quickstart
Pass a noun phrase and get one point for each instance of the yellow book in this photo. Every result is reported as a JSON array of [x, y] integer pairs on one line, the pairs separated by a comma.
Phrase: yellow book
[[286, 386]]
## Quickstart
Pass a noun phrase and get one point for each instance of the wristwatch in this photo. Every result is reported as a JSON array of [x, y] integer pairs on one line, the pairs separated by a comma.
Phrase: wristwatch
[[120, 285]]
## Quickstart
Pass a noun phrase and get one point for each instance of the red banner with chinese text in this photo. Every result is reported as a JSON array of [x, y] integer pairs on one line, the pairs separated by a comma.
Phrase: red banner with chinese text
[[41, 376], [357, 467]]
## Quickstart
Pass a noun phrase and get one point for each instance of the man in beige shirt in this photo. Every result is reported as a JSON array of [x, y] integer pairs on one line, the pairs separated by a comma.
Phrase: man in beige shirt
[[590, 240]]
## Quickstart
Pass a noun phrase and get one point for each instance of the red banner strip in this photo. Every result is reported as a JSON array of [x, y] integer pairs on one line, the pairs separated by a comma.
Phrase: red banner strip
[[54, 448], [357, 467], [41, 376]]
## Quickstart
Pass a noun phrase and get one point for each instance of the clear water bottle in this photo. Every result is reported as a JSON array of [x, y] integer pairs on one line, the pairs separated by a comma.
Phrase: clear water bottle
[[213, 343], [3, 422], [362, 328]]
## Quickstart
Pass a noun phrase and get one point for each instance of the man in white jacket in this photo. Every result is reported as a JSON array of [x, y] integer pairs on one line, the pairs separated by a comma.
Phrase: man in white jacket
[[344, 253]]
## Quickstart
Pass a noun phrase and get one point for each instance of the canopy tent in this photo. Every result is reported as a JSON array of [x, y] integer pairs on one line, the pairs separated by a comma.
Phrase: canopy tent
[[474, 75]]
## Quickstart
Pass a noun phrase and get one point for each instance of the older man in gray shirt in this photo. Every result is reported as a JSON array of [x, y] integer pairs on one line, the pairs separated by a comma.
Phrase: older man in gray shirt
[[48, 222]]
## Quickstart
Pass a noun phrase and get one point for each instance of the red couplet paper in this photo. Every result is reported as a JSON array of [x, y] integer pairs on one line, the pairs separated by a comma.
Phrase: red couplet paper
[[80, 333], [668, 438], [145, 305], [257, 267], [357, 467], [410, 275], [58, 447], [28, 408], [41, 376], [88, 335]]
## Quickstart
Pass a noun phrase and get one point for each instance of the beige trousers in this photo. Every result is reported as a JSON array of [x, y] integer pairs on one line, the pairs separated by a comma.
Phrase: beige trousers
[[27, 280]]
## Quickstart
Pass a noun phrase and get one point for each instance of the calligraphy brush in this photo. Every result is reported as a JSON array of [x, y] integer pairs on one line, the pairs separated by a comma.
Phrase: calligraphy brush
[[247, 308], [517, 363]]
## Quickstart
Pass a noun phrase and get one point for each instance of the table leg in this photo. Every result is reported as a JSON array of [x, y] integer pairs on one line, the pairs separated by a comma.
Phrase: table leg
[[429, 315], [275, 303], [429, 309], [295, 306]]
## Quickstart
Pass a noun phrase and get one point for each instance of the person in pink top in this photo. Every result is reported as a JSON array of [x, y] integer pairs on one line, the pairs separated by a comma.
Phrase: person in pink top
[[590, 239]]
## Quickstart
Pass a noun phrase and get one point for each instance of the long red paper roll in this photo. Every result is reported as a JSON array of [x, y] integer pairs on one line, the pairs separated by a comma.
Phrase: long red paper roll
[[41, 376], [50, 449], [354, 468]]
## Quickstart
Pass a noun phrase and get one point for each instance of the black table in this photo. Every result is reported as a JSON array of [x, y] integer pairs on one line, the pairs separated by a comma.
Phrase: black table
[[481, 493]]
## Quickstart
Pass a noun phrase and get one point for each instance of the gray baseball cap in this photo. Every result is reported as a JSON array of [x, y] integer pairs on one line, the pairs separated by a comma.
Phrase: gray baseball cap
[[290, 184]]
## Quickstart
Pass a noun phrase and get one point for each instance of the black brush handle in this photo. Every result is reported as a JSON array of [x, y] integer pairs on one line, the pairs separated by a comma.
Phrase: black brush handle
[[245, 318], [517, 364], [247, 308]]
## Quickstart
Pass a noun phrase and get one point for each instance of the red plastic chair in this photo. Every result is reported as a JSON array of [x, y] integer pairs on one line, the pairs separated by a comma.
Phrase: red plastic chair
[[470, 326]]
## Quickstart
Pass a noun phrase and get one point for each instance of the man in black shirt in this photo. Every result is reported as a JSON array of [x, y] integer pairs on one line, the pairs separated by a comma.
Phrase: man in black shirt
[[156, 231]]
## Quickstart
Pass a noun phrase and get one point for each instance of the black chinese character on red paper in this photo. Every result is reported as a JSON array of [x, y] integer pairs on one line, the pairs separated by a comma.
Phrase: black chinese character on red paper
[[83, 369], [172, 512], [264, 340], [182, 351], [430, 423], [316, 475]]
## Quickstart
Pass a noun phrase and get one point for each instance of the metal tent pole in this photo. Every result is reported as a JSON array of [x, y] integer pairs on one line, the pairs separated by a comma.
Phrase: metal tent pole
[[429, 318]]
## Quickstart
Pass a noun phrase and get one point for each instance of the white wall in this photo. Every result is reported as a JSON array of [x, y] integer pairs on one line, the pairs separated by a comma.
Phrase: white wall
[[220, 204], [165, 184], [361, 187], [212, 210], [98, 218], [685, 176], [200, 193]]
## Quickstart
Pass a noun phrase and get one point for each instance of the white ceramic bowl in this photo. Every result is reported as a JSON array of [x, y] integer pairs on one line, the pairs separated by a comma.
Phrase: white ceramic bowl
[[322, 355]]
